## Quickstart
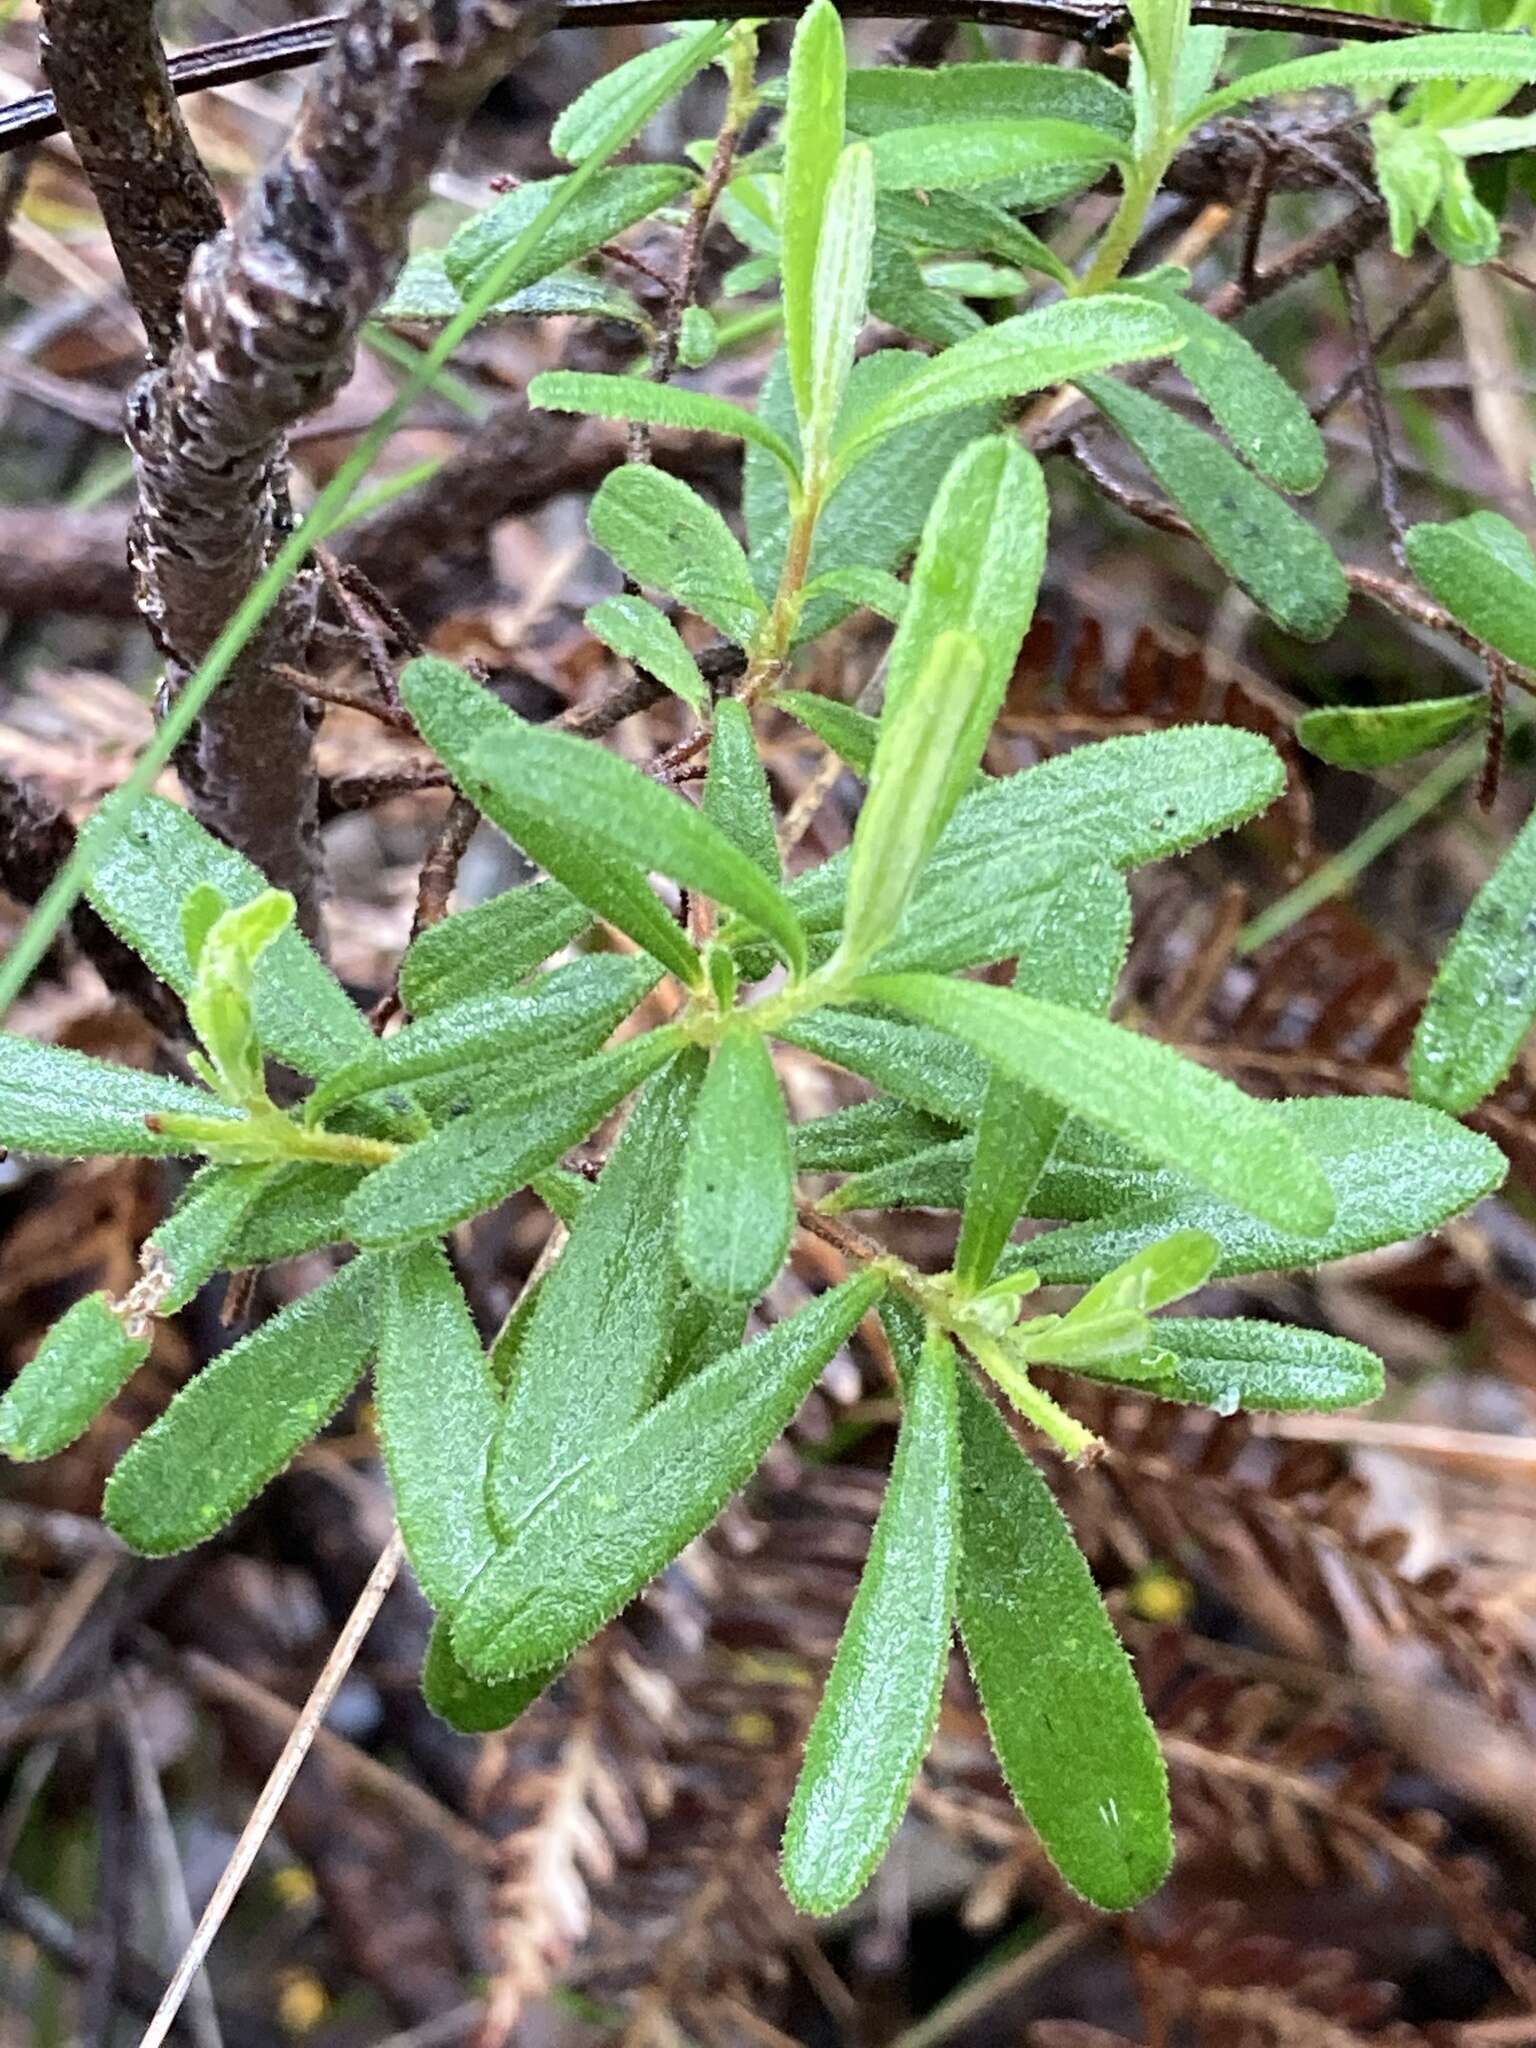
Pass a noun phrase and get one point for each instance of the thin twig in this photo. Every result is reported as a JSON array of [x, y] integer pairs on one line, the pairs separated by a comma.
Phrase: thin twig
[[275, 1791], [1377, 425]]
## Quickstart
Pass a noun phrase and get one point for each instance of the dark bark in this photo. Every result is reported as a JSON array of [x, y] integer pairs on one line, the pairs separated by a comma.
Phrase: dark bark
[[114, 93]]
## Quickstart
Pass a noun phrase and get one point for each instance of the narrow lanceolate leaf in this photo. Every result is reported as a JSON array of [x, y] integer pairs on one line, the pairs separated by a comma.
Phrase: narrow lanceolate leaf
[[658, 405], [1076, 958], [958, 156], [839, 294], [667, 538], [813, 141], [575, 1006], [928, 1069], [493, 946], [964, 917], [479, 1160], [737, 1207], [921, 752], [1179, 1113], [627, 92], [1395, 1169], [877, 1715], [84, 1361], [1061, 1701], [297, 1210], [1028, 353], [475, 1706], [1482, 570], [457, 717], [192, 1244], [238, 1423], [594, 1348], [1378, 67], [1484, 996], [614, 199], [737, 799], [1263, 418], [852, 735], [1284, 564], [438, 1409], [303, 1014], [1122, 802], [605, 1527], [895, 97], [551, 776], [640, 633], [1273, 1367], [933, 1176], [68, 1106], [977, 571], [1378, 735], [876, 589], [862, 1135]]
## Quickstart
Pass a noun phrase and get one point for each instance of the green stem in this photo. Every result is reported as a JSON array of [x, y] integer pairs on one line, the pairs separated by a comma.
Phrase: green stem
[[1032, 1402]]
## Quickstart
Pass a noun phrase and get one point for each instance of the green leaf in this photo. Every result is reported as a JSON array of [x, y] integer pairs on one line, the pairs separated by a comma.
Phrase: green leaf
[[493, 945], [67, 1106], [603, 1528], [707, 1325], [881, 1703], [698, 338], [923, 753], [627, 92], [928, 1069], [1482, 570], [474, 1706], [737, 799], [950, 220], [1177, 1112], [438, 1409], [235, 1426], [1108, 1331], [1484, 995], [813, 142], [456, 718], [193, 1242], [876, 589], [893, 97], [977, 571], [476, 1162], [571, 1009], [1396, 1169], [659, 405], [1378, 66], [640, 633], [737, 1206], [1122, 802], [663, 535], [304, 1016], [871, 520], [1284, 564], [852, 735], [932, 1176], [424, 294], [1378, 735], [299, 1209], [1028, 353], [1076, 960], [550, 776], [1159, 1273], [960, 155], [595, 1346], [862, 1135], [84, 1362], [901, 295], [1061, 1700], [1269, 1367], [226, 947], [1260, 414], [613, 200], [839, 295], [991, 910]]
